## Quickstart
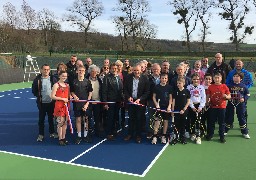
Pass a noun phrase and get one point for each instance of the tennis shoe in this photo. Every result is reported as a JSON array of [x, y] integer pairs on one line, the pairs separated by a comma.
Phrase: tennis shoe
[[78, 140], [154, 140], [223, 140], [163, 140], [225, 134], [173, 142], [193, 137], [246, 136], [40, 138], [183, 141], [54, 135], [198, 140]]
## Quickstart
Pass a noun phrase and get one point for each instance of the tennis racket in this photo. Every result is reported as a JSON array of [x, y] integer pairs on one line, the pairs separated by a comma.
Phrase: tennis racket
[[174, 135], [235, 98], [156, 122]]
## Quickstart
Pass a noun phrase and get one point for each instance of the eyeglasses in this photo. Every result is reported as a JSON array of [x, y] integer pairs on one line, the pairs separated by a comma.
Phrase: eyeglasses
[[106, 67]]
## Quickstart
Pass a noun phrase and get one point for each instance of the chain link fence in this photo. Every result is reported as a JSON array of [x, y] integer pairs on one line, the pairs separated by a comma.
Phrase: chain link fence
[[12, 66]]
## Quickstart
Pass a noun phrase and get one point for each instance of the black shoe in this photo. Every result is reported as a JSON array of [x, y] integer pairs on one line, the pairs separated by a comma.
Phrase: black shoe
[[208, 138], [149, 135], [78, 140], [88, 139], [65, 141], [173, 142], [62, 143], [223, 140], [183, 141]]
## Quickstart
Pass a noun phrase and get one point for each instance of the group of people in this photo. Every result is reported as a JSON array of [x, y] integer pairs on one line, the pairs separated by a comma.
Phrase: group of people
[[194, 98]]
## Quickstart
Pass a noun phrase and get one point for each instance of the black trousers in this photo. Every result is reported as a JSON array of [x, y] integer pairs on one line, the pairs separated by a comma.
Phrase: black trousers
[[46, 108], [135, 119]]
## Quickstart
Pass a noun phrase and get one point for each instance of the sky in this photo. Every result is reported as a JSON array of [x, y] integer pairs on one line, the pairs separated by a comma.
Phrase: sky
[[160, 15]]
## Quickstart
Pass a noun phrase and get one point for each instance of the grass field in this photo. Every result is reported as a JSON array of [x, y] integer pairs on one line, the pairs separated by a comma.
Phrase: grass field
[[212, 160]]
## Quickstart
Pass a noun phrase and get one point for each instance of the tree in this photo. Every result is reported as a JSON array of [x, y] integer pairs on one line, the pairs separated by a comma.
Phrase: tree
[[47, 22], [11, 15], [82, 13], [204, 13], [188, 16], [133, 23], [235, 12], [28, 16]]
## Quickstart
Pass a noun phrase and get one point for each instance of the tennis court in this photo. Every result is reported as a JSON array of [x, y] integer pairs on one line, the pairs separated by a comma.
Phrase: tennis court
[[23, 158]]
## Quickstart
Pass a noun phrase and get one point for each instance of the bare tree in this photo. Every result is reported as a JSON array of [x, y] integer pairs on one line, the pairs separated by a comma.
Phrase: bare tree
[[133, 23], [235, 12], [82, 13], [47, 22], [204, 8], [10, 15], [29, 16], [188, 16]]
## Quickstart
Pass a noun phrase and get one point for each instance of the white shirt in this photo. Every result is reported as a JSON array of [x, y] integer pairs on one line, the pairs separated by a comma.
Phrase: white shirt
[[197, 95]]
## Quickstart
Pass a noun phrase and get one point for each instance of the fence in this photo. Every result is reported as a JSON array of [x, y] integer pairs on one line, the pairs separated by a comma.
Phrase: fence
[[12, 66]]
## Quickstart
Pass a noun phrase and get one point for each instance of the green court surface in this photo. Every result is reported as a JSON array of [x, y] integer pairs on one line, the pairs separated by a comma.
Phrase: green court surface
[[235, 160]]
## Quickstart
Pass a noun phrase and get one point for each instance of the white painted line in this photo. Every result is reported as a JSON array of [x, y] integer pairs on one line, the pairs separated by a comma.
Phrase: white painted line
[[32, 98], [20, 92], [16, 97], [2, 96], [68, 163], [27, 91], [8, 94], [154, 160], [14, 93], [75, 158]]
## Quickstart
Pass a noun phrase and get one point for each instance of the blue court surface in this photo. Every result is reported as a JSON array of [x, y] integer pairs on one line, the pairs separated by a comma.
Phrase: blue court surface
[[19, 130]]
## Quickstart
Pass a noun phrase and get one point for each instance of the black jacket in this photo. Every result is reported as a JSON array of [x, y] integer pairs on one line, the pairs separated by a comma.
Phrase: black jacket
[[71, 70], [223, 69], [110, 91], [37, 87], [143, 88]]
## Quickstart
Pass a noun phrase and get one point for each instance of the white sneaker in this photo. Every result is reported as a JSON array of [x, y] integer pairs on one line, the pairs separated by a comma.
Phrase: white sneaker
[[163, 140], [154, 140], [193, 137], [187, 135], [225, 134], [40, 138], [246, 136], [198, 140]]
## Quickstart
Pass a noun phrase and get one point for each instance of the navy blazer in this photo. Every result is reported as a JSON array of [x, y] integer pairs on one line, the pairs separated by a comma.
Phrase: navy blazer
[[143, 88]]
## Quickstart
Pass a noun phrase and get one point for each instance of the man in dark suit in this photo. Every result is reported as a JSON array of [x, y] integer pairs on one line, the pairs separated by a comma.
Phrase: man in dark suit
[[136, 90], [112, 91]]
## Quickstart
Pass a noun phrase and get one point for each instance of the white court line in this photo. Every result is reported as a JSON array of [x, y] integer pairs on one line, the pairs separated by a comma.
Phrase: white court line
[[154, 160], [32, 98], [73, 164], [20, 92], [16, 97], [75, 158], [8, 94], [2, 96]]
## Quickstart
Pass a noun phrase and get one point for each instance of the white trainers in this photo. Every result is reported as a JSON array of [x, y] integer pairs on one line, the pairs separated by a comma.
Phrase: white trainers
[[246, 136], [198, 140], [40, 138], [187, 135], [154, 140], [54, 135], [193, 137], [163, 140], [225, 134]]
